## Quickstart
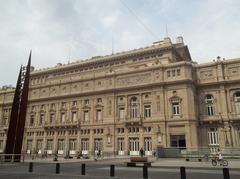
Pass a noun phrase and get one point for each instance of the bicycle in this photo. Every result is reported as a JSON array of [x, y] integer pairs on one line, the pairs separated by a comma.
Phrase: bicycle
[[222, 162]]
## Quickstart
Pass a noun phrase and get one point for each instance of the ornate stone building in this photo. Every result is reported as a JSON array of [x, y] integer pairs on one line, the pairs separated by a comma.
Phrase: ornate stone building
[[145, 98]]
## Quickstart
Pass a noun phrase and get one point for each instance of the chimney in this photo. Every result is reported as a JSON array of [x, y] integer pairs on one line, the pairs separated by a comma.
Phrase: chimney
[[167, 40], [179, 40]]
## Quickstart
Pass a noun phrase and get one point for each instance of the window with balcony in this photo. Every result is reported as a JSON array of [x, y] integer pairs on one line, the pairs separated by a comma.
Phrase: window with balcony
[[237, 102], [147, 111], [209, 104], [134, 107]]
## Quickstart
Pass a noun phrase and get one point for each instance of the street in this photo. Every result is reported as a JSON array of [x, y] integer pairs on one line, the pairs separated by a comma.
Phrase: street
[[101, 170]]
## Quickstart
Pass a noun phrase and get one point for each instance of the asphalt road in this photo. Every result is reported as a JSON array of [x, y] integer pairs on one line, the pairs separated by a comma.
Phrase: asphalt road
[[101, 170]]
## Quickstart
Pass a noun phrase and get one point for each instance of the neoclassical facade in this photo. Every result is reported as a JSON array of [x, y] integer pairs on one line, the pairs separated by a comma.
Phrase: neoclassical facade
[[144, 98]]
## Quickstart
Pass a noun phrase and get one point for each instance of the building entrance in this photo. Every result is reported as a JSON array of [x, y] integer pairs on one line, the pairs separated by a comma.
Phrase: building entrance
[[134, 146], [178, 141]]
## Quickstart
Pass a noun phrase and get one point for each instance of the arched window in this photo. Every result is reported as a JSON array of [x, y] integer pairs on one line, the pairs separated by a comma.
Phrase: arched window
[[134, 107], [237, 102], [209, 103]]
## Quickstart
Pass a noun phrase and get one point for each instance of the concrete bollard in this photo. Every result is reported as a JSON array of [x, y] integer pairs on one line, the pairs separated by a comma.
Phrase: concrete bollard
[[145, 172], [30, 168], [226, 173], [57, 168], [183, 172], [83, 171], [112, 170]]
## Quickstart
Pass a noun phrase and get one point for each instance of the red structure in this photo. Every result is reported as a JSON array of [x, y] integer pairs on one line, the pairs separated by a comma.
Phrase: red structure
[[18, 115]]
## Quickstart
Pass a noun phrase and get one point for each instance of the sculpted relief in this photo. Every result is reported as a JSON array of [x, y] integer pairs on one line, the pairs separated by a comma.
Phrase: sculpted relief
[[134, 79]]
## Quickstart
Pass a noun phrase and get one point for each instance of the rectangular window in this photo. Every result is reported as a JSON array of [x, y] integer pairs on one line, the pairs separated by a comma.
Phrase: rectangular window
[[176, 108], [86, 116], [41, 120], [168, 74], [147, 111], [86, 102], [29, 144], [49, 144], [98, 144], [213, 136], [39, 145], [99, 115], [99, 100], [210, 110], [85, 144], [61, 144], [74, 116], [121, 113], [147, 144], [51, 118], [237, 106], [134, 112], [62, 118], [178, 72], [72, 144], [178, 141], [134, 144], [32, 118], [1, 145], [74, 103], [173, 73], [120, 144]]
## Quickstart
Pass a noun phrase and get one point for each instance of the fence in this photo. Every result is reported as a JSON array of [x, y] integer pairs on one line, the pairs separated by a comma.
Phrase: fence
[[196, 152]]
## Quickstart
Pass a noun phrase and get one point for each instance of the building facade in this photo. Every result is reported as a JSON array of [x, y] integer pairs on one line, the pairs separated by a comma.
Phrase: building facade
[[145, 98]]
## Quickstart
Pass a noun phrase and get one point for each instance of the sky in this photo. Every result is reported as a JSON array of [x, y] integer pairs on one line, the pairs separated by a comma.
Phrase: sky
[[59, 31]]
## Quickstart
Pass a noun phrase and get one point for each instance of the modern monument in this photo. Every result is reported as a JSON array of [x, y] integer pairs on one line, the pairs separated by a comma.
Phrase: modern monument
[[18, 115]]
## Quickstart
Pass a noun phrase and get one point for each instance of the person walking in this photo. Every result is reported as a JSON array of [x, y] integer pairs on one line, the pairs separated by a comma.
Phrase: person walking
[[141, 152]]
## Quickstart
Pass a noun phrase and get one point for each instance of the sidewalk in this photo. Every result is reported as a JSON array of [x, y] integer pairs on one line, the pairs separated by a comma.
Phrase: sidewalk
[[160, 163], [176, 163]]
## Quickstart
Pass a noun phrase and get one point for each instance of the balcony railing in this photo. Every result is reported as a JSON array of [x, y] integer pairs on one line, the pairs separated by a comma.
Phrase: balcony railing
[[58, 124], [137, 121]]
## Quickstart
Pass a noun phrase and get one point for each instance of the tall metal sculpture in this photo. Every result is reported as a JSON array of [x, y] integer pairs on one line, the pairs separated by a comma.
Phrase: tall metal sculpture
[[18, 115]]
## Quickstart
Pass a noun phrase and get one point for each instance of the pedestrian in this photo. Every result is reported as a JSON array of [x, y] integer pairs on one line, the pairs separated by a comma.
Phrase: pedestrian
[[141, 152], [96, 154], [220, 157]]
